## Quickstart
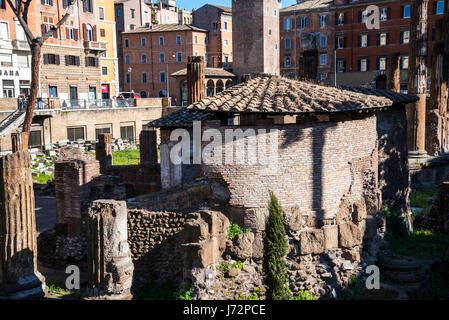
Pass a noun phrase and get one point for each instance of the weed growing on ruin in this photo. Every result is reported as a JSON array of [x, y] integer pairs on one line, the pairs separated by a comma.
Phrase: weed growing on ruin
[[126, 157], [304, 295], [186, 295], [223, 267], [396, 227], [54, 288], [249, 297], [234, 230], [238, 265], [274, 251]]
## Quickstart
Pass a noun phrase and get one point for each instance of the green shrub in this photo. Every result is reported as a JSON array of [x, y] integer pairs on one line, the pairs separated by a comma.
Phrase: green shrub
[[186, 295], [234, 230], [223, 267], [238, 265], [396, 227], [305, 295], [274, 251]]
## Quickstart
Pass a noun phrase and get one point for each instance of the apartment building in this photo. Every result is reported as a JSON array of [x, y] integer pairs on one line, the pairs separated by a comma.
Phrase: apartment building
[[151, 54], [108, 60], [70, 68], [218, 21], [307, 40], [362, 52], [166, 12], [15, 53]]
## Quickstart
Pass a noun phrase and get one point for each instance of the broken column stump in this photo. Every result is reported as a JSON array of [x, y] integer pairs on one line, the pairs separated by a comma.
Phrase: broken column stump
[[148, 146], [103, 151], [19, 278], [110, 268], [195, 79]]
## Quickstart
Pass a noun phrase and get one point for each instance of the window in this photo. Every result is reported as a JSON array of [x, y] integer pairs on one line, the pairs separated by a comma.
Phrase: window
[[74, 134], [226, 61], [404, 62], [127, 60], [196, 39], [89, 33], [226, 42], [287, 24], [161, 41], [104, 71], [323, 59], [406, 11], [383, 39], [179, 56], [4, 30], [303, 22], [363, 64], [144, 58], [144, 77], [143, 42], [99, 131], [102, 33], [133, 13], [127, 133], [51, 59], [323, 41], [215, 26], [364, 16], [101, 13], [2, 4], [73, 94], [341, 64], [178, 40], [225, 25], [71, 60], [363, 40], [383, 14], [161, 57], [405, 37], [287, 61], [128, 78], [53, 91], [287, 43], [47, 2], [323, 20], [132, 26], [118, 13], [91, 62], [341, 19], [382, 63], [340, 42], [440, 7], [126, 43], [162, 77]]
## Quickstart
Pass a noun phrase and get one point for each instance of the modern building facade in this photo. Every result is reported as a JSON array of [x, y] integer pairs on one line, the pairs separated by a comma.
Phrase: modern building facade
[[257, 51], [218, 21], [307, 40], [15, 53], [70, 67], [151, 54], [108, 60]]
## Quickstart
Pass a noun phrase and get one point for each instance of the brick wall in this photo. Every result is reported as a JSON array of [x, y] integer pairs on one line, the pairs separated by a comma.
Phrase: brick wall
[[320, 161]]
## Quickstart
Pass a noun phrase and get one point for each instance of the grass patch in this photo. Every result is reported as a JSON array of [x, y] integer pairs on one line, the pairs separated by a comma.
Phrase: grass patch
[[43, 178], [421, 244], [420, 198], [126, 157], [55, 288]]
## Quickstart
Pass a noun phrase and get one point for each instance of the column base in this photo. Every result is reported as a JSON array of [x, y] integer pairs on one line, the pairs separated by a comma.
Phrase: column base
[[417, 157], [26, 288]]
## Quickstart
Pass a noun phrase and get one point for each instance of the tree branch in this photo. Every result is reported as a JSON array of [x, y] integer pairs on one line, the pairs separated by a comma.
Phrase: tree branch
[[60, 23], [24, 24]]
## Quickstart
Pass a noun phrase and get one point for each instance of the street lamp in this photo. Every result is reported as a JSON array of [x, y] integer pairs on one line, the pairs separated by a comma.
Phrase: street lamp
[[130, 70]]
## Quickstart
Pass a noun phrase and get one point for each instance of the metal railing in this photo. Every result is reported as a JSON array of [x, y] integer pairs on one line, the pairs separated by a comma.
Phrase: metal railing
[[41, 104], [94, 104]]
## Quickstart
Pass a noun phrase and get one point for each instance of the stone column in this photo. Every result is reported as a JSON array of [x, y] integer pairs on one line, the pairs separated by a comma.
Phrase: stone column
[[394, 72], [148, 146], [417, 78], [110, 268], [195, 79], [19, 278], [19, 141], [103, 151]]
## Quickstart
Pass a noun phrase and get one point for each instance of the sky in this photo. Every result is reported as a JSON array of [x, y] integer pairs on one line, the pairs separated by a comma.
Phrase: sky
[[189, 4]]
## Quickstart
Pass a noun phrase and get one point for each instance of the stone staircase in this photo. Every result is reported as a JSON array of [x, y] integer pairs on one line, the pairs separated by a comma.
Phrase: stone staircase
[[11, 122]]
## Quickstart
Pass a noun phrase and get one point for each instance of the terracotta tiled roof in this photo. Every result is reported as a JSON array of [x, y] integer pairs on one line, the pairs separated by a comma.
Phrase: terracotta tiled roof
[[271, 94], [182, 118], [309, 5], [222, 8], [209, 72], [166, 28], [393, 96]]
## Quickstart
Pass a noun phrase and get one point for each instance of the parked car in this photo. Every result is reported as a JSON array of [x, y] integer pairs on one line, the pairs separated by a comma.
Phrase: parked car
[[129, 95]]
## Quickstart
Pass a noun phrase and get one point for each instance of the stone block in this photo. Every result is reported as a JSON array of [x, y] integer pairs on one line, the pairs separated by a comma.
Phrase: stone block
[[292, 218], [349, 235], [371, 228], [311, 241], [243, 248], [343, 212], [359, 212], [330, 237], [195, 231]]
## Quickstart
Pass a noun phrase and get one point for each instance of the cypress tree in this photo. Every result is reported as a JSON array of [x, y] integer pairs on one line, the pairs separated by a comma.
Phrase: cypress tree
[[274, 251]]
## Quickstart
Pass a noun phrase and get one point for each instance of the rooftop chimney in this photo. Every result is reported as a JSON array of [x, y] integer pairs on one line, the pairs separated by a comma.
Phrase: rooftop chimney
[[195, 79]]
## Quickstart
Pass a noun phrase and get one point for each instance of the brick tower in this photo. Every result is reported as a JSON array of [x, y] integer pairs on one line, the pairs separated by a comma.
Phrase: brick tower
[[255, 36]]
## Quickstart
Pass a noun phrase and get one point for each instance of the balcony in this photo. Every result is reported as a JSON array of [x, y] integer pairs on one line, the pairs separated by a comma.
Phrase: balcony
[[95, 46], [21, 45]]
